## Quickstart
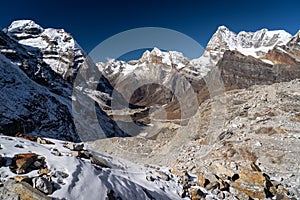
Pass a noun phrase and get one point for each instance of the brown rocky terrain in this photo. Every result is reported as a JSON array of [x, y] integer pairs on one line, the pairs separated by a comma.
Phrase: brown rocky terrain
[[253, 153]]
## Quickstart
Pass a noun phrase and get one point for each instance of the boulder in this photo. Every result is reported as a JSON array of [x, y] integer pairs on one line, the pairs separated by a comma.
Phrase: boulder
[[99, 161], [26, 162], [161, 175], [60, 174], [43, 185], [22, 190], [197, 193], [2, 161], [251, 191], [74, 146], [251, 177]]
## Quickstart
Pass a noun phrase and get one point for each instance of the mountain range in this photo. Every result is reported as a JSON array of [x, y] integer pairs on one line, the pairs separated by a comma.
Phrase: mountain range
[[218, 119]]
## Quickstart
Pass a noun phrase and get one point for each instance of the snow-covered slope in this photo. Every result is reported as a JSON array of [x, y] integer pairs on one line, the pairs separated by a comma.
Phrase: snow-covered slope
[[79, 178]]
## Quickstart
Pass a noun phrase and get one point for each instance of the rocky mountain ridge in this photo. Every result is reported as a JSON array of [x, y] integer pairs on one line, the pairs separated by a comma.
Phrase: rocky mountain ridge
[[46, 62], [238, 60]]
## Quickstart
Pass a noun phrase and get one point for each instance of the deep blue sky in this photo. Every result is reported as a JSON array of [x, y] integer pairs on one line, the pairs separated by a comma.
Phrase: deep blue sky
[[90, 22]]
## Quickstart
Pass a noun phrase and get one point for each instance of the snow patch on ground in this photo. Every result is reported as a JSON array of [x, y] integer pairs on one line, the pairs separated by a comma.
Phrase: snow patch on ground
[[125, 179]]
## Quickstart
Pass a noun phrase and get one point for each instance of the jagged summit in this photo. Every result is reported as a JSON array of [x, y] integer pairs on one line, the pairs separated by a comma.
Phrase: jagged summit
[[248, 43], [171, 58], [59, 49], [222, 28], [26, 27], [296, 39]]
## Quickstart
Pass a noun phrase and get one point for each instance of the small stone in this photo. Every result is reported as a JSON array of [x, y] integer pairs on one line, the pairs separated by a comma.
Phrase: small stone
[[78, 147], [150, 178], [258, 144], [161, 175], [84, 154], [255, 167], [280, 188], [225, 135], [74, 146], [99, 161], [44, 171], [202, 181], [224, 186], [202, 141], [40, 140], [60, 174], [21, 178], [56, 152], [213, 185], [61, 181], [196, 193], [227, 195], [235, 177], [19, 146], [182, 193]]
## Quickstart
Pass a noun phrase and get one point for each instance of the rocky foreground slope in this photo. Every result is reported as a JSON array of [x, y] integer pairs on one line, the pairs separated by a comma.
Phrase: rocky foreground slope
[[253, 155]]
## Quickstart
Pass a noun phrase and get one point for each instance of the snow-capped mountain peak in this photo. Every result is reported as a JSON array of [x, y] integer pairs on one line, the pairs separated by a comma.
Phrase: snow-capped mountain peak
[[223, 39], [24, 28], [170, 58], [296, 39], [58, 47], [255, 44], [156, 51]]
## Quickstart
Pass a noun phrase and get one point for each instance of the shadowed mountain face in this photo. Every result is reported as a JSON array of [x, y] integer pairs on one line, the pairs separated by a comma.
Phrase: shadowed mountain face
[[38, 68]]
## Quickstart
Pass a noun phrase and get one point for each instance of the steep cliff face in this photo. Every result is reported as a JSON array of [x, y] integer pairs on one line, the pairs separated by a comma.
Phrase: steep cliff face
[[239, 71], [38, 68], [58, 49]]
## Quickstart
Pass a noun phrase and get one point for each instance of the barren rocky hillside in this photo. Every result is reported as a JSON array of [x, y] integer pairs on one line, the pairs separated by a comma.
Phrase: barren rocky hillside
[[257, 144]]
